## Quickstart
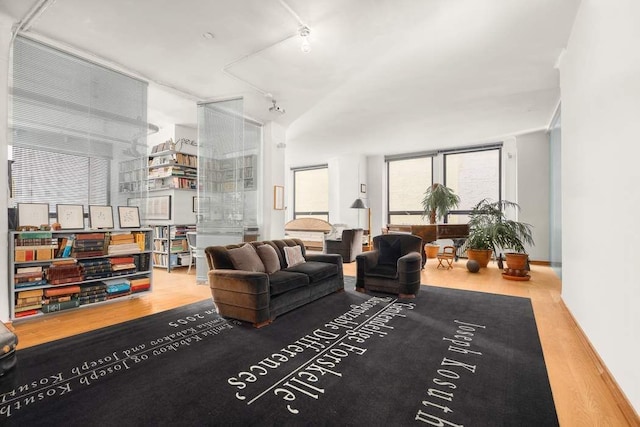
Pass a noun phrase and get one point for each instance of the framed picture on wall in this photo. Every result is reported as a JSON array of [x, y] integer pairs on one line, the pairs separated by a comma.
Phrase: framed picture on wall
[[70, 217], [159, 207], [100, 216], [33, 214], [129, 216], [278, 197]]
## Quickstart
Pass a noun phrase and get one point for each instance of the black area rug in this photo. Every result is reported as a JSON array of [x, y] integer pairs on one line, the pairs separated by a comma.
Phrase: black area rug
[[447, 358]]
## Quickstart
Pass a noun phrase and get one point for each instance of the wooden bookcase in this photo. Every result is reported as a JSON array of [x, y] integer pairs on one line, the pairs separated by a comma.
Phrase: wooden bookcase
[[50, 271]]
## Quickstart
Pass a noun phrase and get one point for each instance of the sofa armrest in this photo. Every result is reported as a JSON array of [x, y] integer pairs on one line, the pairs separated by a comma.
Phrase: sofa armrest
[[409, 267], [248, 282], [328, 258]]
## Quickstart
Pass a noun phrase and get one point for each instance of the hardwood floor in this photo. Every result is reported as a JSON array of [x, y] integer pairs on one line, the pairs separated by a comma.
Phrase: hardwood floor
[[580, 384]]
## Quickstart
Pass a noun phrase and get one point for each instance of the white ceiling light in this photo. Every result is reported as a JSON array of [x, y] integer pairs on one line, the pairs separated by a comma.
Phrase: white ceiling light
[[304, 33]]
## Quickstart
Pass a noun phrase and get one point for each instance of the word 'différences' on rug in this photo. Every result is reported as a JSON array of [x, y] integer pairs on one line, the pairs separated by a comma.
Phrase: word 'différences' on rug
[[447, 358]]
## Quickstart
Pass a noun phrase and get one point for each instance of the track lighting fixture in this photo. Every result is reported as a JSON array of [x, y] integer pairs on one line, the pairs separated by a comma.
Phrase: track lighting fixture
[[304, 33]]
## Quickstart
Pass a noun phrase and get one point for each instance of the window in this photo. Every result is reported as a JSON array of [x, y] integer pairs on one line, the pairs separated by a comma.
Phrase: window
[[46, 177], [311, 192], [473, 175], [407, 181], [72, 122]]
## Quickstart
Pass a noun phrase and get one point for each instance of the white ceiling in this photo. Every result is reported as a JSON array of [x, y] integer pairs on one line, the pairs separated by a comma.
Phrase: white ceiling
[[389, 75]]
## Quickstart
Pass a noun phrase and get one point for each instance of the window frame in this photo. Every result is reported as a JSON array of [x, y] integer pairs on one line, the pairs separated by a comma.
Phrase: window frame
[[388, 161], [299, 214]]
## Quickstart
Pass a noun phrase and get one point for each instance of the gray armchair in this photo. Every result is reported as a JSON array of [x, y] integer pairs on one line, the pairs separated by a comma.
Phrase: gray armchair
[[349, 246], [393, 266]]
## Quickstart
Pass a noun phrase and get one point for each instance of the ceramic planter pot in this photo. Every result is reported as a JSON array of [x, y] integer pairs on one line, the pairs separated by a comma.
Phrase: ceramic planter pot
[[431, 250], [482, 256]]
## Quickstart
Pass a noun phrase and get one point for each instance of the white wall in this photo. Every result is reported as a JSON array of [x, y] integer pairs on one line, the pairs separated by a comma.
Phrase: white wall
[[273, 158], [532, 159], [600, 85]]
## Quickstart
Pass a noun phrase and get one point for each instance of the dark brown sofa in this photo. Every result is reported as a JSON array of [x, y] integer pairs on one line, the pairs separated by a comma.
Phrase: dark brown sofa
[[258, 297]]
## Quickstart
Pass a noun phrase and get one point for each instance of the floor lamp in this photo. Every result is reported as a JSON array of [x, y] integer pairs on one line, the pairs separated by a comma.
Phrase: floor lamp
[[360, 203]]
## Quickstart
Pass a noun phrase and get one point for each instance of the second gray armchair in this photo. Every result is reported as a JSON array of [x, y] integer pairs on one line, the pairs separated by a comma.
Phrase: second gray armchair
[[349, 246]]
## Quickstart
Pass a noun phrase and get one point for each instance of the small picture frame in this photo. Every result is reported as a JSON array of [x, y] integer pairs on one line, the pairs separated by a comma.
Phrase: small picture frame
[[70, 217], [159, 207], [278, 197], [100, 216], [363, 188], [33, 214], [129, 216]]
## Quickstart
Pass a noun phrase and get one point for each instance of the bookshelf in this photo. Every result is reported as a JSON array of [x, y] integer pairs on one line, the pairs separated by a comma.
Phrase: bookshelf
[[51, 271], [170, 247], [170, 169]]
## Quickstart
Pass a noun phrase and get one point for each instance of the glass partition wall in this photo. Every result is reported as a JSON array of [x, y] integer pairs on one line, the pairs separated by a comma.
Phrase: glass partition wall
[[228, 173]]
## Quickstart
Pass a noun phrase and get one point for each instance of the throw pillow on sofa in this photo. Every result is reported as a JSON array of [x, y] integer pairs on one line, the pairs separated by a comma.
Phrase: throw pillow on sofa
[[293, 255], [246, 258], [269, 258]]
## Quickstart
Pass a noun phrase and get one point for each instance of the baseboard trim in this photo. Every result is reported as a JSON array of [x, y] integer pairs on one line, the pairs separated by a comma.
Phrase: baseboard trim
[[618, 395]]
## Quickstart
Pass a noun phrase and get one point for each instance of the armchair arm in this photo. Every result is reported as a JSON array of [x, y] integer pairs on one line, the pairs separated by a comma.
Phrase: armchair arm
[[409, 267], [364, 262]]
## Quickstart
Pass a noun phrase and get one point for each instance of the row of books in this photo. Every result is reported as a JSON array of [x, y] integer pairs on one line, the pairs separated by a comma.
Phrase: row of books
[[33, 301], [71, 270]]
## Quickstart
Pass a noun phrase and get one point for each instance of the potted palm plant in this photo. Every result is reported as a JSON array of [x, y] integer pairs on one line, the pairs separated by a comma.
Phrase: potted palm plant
[[490, 229], [438, 200]]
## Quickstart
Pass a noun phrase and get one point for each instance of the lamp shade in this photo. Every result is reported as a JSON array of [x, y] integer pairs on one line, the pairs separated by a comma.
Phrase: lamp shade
[[359, 204]]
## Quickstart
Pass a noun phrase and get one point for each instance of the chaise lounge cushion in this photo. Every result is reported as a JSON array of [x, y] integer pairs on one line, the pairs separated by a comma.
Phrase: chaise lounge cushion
[[316, 271], [284, 281]]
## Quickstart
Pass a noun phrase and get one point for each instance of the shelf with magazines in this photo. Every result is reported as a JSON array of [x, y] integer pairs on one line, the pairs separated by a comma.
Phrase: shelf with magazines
[[51, 271], [170, 246]]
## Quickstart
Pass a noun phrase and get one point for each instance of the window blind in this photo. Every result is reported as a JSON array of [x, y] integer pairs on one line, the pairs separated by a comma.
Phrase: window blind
[[71, 122]]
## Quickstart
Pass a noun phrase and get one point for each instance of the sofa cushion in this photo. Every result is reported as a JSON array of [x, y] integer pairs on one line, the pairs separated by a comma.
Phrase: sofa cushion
[[389, 252], [293, 255], [283, 281], [316, 271], [246, 258], [269, 258]]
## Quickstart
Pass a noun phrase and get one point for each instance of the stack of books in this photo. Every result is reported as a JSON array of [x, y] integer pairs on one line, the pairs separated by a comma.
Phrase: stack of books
[[122, 265], [122, 243], [117, 288], [60, 298], [63, 271], [141, 261], [95, 268], [28, 302], [31, 246], [27, 277], [92, 292], [88, 245], [140, 284]]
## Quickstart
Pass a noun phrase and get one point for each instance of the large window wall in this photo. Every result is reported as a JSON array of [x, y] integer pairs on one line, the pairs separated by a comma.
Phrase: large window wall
[[408, 179], [311, 192], [472, 173]]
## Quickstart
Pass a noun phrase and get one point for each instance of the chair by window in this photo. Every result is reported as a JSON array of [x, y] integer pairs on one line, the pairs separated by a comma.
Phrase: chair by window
[[348, 246], [393, 266], [446, 257], [193, 250]]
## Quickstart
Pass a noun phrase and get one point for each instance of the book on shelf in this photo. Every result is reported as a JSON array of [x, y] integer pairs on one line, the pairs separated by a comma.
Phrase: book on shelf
[[90, 236], [30, 293], [61, 290], [28, 307], [59, 306], [23, 285], [26, 313], [28, 300]]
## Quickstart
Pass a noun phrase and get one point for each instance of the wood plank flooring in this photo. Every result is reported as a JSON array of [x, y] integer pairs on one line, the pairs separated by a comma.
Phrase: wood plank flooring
[[579, 383]]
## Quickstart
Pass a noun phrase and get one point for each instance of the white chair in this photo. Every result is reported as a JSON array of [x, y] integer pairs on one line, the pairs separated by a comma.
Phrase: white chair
[[193, 250]]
